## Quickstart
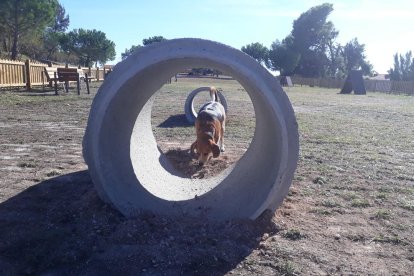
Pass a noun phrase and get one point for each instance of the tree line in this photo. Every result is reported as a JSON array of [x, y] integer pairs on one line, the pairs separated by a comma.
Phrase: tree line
[[37, 29], [403, 69], [311, 50]]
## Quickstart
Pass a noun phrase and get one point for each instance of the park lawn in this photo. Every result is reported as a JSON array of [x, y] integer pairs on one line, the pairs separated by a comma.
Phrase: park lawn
[[350, 208]]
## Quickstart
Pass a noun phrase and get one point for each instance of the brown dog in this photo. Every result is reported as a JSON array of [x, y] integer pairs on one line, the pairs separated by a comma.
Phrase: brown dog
[[210, 125]]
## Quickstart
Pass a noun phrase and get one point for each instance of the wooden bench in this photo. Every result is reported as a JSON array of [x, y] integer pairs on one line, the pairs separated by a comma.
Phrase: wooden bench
[[50, 73], [51, 76], [65, 75]]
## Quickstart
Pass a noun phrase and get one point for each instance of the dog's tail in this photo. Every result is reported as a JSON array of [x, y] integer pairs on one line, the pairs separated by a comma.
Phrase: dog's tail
[[213, 94]]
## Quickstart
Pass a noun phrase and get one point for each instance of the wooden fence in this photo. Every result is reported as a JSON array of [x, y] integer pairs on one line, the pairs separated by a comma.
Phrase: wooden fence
[[29, 73], [12, 73], [387, 86]]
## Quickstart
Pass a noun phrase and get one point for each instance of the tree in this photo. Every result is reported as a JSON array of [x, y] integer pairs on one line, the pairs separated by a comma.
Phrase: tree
[[150, 40], [336, 66], [53, 34], [283, 57], [403, 68], [354, 57], [129, 51], [31, 45], [311, 29], [66, 42], [3, 39], [145, 42], [309, 50], [61, 22], [90, 46], [311, 34], [257, 51], [19, 18]]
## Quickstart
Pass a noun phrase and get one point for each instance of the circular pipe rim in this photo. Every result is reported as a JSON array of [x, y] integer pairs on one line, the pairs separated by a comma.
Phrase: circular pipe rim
[[262, 88]]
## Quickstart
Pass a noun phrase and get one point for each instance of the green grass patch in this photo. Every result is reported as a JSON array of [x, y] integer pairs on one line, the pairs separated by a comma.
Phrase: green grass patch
[[389, 239], [360, 203], [287, 268], [383, 214], [26, 165], [322, 211], [294, 234], [382, 195], [8, 99], [330, 203], [349, 195], [356, 237], [320, 180], [53, 173], [406, 204]]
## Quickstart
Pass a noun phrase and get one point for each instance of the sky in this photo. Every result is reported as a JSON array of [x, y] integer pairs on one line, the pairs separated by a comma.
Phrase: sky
[[385, 27]]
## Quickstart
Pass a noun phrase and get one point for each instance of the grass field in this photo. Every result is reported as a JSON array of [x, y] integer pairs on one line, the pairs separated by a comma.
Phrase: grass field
[[350, 209]]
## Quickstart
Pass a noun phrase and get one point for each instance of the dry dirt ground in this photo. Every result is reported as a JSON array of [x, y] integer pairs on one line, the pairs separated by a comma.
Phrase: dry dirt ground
[[350, 210]]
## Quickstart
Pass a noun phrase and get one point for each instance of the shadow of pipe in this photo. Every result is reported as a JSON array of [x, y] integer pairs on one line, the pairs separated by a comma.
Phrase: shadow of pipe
[[60, 225], [176, 121]]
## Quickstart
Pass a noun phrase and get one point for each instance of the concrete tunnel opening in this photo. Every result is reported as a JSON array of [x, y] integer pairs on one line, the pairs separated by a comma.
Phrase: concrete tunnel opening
[[174, 133], [147, 157], [127, 167]]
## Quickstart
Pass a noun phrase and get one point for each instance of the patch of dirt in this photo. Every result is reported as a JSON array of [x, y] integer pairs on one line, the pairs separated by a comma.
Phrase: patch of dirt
[[185, 162]]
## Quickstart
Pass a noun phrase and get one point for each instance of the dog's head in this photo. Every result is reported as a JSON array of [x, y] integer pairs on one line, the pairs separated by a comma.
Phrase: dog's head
[[206, 148]]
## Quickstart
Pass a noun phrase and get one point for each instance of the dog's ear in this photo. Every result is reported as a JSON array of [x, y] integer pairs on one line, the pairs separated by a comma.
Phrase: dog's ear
[[216, 150]]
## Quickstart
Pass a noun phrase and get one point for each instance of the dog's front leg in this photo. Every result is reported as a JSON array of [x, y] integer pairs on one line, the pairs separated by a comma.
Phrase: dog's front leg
[[223, 128], [193, 147]]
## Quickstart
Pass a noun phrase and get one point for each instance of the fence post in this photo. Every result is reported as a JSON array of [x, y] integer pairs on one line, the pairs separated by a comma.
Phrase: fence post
[[49, 64], [28, 79], [97, 73], [87, 82], [43, 81], [55, 80], [67, 82]]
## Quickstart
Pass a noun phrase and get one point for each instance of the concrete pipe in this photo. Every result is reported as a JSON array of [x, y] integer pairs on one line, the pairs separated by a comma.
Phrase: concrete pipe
[[189, 110], [130, 172]]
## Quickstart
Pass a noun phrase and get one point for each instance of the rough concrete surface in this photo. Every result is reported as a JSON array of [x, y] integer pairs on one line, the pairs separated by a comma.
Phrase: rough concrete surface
[[129, 170]]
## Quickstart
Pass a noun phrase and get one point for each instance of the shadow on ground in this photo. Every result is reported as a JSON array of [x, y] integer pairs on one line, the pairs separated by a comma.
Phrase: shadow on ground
[[179, 120], [60, 226]]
